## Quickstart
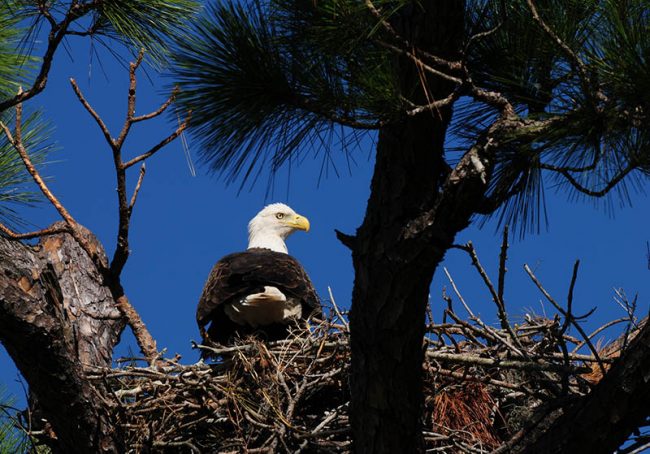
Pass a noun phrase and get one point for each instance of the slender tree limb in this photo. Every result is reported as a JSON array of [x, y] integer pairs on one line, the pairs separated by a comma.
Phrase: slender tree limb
[[503, 258], [145, 340], [598, 330], [52, 230], [590, 192], [46, 13], [569, 300], [153, 150], [143, 170], [158, 111], [435, 105], [412, 56], [130, 109], [93, 113], [19, 147]]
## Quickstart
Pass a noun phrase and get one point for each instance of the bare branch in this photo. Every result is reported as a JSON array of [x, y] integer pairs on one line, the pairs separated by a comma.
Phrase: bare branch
[[153, 150], [598, 330], [142, 335], [36, 234], [93, 113], [137, 186], [569, 300], [159, 111], [435, 105], [130, 110], [503, 258]]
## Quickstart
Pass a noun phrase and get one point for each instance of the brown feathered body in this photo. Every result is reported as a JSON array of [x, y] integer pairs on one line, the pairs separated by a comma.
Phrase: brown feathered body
[[258, 291]]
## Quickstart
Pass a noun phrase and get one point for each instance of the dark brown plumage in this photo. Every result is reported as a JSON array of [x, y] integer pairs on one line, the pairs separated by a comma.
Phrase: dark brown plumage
[[238, 275]]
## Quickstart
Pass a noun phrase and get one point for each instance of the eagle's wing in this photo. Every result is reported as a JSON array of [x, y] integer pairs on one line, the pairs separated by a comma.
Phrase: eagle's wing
[[241, 274]]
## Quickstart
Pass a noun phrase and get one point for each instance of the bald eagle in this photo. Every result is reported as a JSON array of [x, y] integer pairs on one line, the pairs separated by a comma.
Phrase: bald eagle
[[262, 290]]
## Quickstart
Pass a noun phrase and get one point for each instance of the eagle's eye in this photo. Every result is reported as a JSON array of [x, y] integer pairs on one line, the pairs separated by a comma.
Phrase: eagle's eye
[[279, 215]]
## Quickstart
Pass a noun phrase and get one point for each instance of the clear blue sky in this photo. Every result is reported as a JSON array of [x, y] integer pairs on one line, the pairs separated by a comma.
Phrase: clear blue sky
[[183, 224]]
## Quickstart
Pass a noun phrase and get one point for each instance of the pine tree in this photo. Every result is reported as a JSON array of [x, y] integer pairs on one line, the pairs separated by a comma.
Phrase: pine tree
[[530, 92]]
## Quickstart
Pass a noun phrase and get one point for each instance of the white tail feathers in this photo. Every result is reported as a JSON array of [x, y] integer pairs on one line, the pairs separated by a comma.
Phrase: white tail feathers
[[260, 309]]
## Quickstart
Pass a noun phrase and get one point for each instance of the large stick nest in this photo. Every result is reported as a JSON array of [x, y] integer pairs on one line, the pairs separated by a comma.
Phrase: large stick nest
[[481, 386]]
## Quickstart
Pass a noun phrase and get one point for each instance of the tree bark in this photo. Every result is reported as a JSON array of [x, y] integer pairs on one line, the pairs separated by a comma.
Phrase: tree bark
[[393, 270], [57, 319]]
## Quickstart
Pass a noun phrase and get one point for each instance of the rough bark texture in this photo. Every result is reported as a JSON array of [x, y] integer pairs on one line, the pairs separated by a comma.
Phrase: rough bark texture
[[393, 270], [56, 318], [601, 421]]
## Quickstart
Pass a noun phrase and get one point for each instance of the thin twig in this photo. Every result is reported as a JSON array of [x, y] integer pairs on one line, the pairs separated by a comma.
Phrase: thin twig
[[564, 313], [336, 309], [134, 197], [153, 150], [93, 113]]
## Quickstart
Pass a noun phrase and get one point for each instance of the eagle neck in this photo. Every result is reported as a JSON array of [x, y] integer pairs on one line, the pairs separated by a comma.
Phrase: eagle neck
[[267, 241]]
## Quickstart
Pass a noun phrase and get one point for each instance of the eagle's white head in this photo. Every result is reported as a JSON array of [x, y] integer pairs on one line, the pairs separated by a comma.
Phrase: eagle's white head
[[271, 226]]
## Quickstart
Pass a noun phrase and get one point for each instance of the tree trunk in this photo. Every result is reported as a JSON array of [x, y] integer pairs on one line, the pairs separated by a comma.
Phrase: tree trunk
[[56, 320], [393, 270]]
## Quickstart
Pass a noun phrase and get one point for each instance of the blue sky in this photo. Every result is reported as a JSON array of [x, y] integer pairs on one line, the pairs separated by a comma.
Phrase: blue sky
[[183, 224]]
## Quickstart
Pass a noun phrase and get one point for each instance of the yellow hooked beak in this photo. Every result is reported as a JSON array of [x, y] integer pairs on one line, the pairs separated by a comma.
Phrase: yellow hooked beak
[[299, 222]]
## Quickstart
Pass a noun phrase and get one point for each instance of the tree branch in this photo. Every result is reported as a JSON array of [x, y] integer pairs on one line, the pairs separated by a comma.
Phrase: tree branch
[[153, 150], [590, 192], [52, 230], [452, 66], [20, 148], [56, 35], [134, 197], [159, 111], [93, 113], [130, 109], [576, 62]]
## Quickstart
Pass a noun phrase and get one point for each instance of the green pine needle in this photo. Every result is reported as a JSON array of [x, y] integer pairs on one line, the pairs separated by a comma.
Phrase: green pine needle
[[16, 185], [148, 24], [266, 81]]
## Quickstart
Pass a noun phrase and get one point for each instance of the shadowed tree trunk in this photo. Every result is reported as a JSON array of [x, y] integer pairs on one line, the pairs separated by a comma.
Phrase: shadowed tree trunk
[[56, 320], [393, 269]]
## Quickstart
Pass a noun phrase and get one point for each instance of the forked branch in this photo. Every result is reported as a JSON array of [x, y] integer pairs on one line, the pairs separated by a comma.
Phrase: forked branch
[[125, 207], [113, 271]]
